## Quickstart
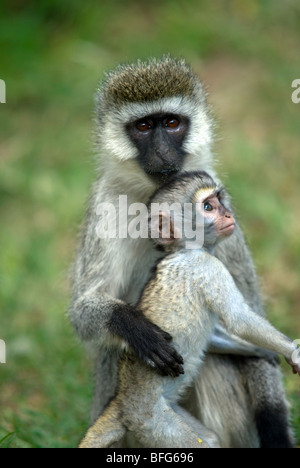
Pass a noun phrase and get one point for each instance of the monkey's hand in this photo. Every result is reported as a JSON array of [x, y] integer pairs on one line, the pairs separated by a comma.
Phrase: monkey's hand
[[295, 364], [149, 342]]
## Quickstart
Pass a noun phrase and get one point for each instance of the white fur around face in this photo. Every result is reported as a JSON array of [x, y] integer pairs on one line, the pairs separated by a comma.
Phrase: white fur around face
[[116, 142], [202, 194]]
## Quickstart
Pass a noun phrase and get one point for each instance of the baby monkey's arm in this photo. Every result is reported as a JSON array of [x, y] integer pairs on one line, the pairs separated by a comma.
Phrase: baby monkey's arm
[[223, 298]]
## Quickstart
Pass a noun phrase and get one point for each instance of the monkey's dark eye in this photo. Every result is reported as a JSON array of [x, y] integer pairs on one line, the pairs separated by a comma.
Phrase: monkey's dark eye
[[171, 122], [207, 206], [144, 125]]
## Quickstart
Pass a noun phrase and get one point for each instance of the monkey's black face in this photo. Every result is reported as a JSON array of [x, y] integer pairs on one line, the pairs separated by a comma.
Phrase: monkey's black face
[[159, 139]]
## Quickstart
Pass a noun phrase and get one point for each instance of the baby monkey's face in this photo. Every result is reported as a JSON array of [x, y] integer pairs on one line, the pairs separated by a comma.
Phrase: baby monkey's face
[[216, 215]]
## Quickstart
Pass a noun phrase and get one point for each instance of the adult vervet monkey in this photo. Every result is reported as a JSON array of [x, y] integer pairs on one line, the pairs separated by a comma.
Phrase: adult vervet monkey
[[153, 122]]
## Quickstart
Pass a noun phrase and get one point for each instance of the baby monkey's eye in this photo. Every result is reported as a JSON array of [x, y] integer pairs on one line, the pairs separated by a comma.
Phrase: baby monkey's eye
[[207, 206]]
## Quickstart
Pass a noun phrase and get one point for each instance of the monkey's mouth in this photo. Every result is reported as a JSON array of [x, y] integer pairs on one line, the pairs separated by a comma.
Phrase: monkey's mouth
[[164, 175], [227, 230]]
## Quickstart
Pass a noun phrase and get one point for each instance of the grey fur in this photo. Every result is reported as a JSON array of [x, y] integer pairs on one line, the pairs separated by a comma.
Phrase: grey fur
[[106, 271]]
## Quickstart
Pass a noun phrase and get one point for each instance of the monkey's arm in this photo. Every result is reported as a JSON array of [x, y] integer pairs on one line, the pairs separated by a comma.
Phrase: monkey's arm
[[109, 321], [224, 343], [224, 299], [234, 254]]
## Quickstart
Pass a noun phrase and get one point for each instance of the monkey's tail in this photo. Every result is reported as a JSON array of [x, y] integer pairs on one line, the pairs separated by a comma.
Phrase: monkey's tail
[[106, 431]]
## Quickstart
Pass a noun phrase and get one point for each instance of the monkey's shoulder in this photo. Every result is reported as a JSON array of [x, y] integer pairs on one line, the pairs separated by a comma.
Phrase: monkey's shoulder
[[168, 272], [178, 268]]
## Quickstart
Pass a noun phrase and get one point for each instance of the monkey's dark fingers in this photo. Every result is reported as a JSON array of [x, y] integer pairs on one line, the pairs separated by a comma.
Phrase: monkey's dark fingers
[[294, 365], [149, 342], [165, 357], [169, 361], [296, 370], [162, 356], [166, 367], [160, 368]]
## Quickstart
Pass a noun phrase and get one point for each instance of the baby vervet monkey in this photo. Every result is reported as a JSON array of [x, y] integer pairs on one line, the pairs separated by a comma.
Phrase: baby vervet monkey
[[189, 292]]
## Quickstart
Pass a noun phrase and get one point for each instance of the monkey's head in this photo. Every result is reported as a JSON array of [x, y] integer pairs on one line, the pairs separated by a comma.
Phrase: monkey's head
[[190, 205], [154, 113]]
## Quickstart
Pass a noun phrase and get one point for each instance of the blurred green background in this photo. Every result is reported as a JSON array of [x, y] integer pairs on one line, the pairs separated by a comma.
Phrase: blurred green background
[[52, 55]]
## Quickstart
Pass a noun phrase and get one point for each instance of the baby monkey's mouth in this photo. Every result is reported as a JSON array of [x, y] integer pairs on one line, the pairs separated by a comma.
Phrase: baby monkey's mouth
[[227, 230]]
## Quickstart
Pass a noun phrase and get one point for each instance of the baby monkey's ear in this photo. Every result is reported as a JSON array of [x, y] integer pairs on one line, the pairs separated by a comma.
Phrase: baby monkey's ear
[[162, 228]]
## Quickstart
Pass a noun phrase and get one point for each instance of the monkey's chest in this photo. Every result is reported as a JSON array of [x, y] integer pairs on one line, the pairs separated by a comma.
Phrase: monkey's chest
[[191, 334], [193, 330], [180, 311], [174, 301]]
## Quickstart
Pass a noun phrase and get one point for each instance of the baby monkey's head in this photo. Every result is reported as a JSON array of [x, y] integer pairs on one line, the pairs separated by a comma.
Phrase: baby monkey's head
[[190, 212]]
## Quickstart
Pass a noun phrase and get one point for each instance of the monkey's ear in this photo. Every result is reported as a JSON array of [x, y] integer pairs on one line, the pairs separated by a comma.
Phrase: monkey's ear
[[162, 229]]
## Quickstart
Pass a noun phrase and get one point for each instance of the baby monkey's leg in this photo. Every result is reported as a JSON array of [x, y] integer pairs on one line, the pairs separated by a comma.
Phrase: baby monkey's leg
[[106, 431], [174, 428]]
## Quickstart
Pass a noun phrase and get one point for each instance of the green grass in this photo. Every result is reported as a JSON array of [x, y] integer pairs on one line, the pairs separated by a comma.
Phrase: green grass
[[52, 55]]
